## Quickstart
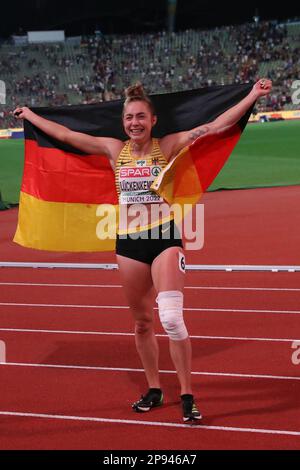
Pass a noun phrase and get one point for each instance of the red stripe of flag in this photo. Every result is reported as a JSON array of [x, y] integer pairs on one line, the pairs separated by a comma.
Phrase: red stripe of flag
[[210, 154], [53, 175]]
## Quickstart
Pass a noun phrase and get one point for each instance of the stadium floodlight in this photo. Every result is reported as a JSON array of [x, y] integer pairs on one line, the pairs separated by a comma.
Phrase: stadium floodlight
[[172, 4], [2, 92], [256, 17]]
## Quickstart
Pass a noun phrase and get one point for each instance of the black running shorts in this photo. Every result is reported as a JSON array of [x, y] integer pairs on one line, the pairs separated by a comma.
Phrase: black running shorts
[[147, 245]]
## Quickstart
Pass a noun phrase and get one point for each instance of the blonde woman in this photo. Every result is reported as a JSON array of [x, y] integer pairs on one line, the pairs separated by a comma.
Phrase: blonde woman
[[152, 257]]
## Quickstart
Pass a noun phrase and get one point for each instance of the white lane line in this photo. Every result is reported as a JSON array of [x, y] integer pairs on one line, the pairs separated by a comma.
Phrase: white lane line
[[116, 333], [117, 286], [42, 284], [276, 289], [127, 369], [115, 307], [13, 304], [194, 428]]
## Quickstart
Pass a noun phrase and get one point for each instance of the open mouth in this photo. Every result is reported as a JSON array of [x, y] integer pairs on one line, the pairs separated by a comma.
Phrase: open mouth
[[136, 131]]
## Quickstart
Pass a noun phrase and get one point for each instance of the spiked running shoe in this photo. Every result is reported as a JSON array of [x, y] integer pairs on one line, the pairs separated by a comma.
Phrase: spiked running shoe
[[190, 410], [152, 399]]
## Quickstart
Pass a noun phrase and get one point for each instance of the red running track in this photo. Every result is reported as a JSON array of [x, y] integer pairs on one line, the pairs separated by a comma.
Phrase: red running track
[[243, 375], [72, 370]]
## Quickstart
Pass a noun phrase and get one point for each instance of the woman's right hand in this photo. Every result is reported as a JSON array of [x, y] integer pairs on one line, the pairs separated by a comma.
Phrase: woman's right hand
[[21, 113]]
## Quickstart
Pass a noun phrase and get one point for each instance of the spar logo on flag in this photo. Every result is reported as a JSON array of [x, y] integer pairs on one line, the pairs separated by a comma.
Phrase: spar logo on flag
[[2, 92]]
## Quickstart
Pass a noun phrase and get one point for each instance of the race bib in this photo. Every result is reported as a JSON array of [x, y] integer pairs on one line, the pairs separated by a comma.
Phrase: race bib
[[135, 184]]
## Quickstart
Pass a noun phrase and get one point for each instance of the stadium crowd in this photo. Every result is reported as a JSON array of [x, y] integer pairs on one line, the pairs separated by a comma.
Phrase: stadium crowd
[[99, 68]]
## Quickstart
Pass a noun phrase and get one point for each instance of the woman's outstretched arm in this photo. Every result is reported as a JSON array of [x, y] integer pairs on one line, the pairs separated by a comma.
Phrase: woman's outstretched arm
[[173, 143], [234, 114], [84, 142]]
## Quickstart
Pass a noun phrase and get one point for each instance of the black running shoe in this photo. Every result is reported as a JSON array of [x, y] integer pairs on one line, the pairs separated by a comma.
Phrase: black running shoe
[[190, 410], [152, 399]]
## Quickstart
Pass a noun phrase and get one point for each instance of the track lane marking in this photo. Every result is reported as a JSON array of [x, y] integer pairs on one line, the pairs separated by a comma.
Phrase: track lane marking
[[128, 369], [117, 286], [115, 307], [195, 428], [119, 333]]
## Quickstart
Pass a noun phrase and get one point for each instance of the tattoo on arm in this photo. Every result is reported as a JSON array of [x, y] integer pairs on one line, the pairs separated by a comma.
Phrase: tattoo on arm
[[197, 133]]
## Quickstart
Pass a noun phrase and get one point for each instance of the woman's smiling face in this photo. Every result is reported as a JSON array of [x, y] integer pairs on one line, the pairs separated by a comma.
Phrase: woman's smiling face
[[138, 121]]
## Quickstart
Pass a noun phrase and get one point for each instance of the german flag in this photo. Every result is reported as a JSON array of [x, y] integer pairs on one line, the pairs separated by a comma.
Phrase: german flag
[[192, 171], [68, 200]]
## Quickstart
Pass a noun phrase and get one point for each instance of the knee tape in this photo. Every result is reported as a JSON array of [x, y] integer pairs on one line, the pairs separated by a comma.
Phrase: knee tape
[[170, 307]]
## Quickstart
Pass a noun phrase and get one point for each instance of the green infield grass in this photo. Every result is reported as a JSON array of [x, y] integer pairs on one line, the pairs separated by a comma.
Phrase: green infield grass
[[268, 154]]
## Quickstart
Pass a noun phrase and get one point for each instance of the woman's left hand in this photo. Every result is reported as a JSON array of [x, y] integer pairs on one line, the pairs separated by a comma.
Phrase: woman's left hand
[[262, 87]]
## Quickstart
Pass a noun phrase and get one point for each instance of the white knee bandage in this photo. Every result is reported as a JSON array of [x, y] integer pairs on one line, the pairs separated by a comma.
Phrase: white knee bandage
[[170, 307]]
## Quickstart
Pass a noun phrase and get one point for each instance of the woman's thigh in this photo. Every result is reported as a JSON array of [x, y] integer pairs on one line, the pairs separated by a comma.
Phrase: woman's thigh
[[168, 270], [138, 286]]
